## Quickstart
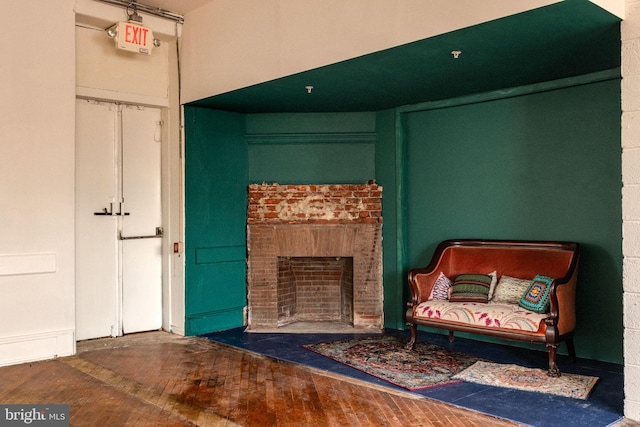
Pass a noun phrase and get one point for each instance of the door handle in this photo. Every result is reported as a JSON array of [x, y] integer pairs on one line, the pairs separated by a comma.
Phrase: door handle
[[159, 233], [103, 212], [110, 214], [106, 212]]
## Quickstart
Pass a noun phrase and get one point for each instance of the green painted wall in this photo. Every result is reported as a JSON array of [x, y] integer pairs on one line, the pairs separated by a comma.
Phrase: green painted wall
[[542, 166], [315, 148], [224, 152], [389, 177], [216, 171]]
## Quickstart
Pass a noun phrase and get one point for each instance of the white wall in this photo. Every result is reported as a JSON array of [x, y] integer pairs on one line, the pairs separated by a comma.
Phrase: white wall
[[229, 44], [615, 7], [37, 83], [631, 204], [37, 151]]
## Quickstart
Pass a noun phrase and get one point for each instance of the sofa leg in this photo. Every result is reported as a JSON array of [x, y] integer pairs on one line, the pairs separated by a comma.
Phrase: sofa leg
[[414, 336], [553, 367]]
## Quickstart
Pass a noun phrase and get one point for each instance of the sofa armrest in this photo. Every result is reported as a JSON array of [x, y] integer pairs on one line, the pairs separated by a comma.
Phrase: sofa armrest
[[421, 280], [563, 300], [421, 283]]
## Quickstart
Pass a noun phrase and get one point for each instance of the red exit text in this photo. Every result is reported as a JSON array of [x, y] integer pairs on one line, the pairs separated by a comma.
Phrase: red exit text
[[136, 35]]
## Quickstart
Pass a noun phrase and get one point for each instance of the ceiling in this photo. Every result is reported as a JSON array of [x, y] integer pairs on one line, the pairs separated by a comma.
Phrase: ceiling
[[565, 39]]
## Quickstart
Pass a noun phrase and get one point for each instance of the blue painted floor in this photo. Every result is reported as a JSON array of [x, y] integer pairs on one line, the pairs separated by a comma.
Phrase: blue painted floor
[[603, 407]]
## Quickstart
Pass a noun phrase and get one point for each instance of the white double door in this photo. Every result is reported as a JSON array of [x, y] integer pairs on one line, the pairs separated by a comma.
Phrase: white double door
[[118, 219]]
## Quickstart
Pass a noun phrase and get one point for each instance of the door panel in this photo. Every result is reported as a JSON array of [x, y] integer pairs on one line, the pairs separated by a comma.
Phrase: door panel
[[96, 248], [141, 285], [216, 172], [141, 254]]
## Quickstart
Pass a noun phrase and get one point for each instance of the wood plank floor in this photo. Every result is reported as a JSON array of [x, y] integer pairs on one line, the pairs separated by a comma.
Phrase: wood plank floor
[[161, 379]]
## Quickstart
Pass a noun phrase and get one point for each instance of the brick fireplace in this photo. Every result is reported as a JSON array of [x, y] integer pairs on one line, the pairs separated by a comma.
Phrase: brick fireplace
[[314, 256]]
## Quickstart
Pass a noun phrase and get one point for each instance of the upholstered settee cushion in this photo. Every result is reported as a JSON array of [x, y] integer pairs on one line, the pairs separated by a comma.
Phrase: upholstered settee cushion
[[536, 297], [505, 316], [470, 288], [510, 289], [441, 288]]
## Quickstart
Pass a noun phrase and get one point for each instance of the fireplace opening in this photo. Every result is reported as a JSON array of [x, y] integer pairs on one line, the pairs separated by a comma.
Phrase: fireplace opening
[[315, 289], [314, 258]]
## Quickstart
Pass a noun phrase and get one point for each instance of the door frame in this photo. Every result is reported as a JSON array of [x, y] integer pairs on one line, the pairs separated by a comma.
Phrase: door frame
[[172, 195]]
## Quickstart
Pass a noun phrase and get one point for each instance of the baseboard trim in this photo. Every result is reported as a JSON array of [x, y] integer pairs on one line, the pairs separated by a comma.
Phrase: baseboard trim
[[35, 347], [214, 321], [178, 330]]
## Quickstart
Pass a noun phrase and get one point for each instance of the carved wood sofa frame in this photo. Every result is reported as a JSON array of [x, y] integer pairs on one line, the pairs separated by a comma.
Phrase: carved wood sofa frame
[[515, 258]]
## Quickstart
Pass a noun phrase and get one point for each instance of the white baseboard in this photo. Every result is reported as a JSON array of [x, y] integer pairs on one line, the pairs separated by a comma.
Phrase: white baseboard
[[178, 330], [36, 347]]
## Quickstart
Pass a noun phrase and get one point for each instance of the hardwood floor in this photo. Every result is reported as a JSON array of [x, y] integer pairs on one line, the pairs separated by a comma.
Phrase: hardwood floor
[[162, 379]]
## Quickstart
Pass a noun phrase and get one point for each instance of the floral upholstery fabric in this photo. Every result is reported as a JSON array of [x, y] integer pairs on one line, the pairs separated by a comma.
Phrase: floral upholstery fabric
[[498, 315]]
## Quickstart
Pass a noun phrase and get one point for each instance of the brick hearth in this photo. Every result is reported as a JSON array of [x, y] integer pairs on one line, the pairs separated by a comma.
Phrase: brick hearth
[[315, 255]]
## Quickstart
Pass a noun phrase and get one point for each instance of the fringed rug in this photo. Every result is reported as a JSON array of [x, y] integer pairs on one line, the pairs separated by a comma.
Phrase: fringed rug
[[528, 379], [385, 357]]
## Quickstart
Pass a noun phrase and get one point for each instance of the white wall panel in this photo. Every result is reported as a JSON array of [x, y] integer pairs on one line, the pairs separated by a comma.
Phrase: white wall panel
[[37, 82], [27, 264], [102, 67]]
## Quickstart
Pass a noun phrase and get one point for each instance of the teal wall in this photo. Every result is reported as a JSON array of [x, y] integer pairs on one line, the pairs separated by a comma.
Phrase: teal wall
[[224, 153], [388, 175], [545, 164], [319, 148]]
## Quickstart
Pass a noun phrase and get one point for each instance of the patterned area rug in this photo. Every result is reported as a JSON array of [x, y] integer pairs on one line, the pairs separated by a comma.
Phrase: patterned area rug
[[528, 379], [385, 357]]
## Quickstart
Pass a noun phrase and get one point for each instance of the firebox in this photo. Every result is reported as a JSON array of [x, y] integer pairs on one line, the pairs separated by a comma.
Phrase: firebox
[[315, 289]]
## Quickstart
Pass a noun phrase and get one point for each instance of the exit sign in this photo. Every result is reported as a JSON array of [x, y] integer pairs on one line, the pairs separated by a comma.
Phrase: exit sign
[[134, 37]]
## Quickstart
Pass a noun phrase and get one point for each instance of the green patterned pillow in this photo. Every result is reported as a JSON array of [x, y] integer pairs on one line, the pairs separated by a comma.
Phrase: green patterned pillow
[[470, 288], [536, 298]]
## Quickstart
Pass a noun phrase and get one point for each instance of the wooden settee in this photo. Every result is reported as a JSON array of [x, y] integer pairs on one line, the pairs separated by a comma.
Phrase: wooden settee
[[506, 259]]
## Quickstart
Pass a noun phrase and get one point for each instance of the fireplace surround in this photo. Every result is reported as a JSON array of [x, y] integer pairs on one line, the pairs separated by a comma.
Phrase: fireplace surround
[[314, 256]]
